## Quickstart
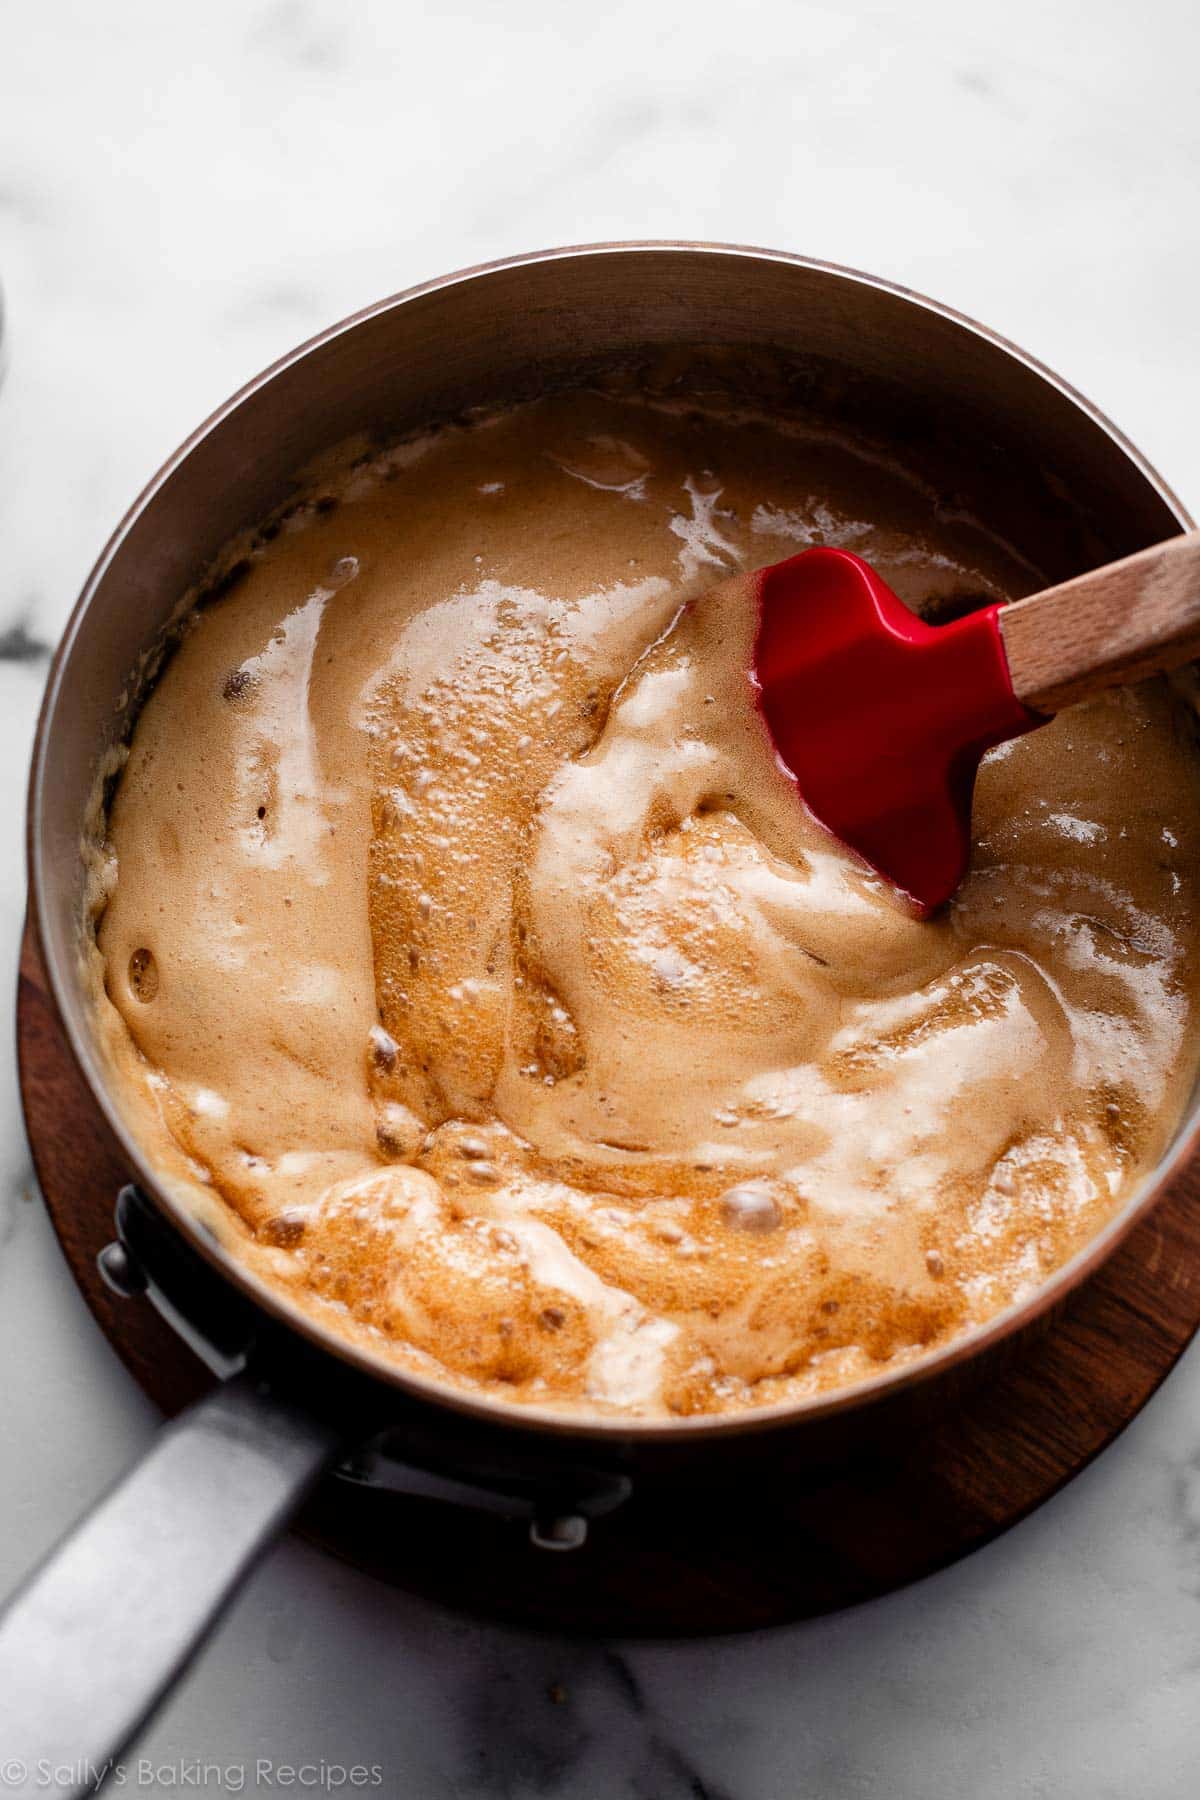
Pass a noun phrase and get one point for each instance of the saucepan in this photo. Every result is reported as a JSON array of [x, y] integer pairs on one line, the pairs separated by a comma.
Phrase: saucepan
[[97, 1634]]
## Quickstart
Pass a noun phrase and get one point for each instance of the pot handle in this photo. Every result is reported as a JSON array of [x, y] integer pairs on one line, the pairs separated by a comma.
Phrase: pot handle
[[95, 1637]]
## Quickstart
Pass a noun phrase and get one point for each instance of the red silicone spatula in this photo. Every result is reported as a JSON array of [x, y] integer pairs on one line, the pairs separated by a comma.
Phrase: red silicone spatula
[[882, 719]]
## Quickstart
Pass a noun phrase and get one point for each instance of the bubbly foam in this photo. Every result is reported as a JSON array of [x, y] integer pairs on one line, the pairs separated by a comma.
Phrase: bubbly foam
[[469, 951]]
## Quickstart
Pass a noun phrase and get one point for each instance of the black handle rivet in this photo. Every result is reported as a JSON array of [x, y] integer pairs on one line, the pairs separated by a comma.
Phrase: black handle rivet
[[120, 1272]]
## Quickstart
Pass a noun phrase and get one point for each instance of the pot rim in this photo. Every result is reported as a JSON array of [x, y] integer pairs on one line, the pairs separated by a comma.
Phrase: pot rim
[[1013, 1319]]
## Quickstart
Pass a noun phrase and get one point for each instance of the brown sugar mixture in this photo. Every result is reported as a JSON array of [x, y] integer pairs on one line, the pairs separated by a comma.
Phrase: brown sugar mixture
[[463, 950]]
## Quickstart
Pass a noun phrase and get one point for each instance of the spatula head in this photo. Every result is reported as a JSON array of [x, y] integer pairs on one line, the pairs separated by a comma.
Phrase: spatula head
[[881, 718]]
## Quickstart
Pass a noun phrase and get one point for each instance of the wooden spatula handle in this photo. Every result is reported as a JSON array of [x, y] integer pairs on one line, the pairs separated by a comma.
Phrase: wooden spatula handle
[[1114, 625]]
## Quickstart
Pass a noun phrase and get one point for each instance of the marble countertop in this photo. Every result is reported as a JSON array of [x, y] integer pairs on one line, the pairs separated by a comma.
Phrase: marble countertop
[[187, 192]]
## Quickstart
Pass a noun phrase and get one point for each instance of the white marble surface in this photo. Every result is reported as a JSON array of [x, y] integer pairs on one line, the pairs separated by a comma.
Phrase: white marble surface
[[187, 191]]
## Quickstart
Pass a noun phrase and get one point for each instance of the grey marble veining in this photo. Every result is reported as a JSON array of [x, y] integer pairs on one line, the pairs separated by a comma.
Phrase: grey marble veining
[[185, 193]]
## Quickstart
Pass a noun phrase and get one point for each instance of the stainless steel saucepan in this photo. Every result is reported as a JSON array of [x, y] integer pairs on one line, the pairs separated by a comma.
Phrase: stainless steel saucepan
[[105, 1625]]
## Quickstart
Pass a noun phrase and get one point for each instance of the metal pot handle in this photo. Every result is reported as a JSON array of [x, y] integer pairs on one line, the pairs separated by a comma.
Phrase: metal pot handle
[[94, 1638]]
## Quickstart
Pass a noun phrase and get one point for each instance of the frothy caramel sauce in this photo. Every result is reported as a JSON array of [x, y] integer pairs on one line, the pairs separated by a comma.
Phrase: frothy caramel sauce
[[465, 952]]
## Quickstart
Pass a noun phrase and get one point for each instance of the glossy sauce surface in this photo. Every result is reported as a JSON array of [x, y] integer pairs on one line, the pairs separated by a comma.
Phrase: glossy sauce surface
[[473, 961]]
